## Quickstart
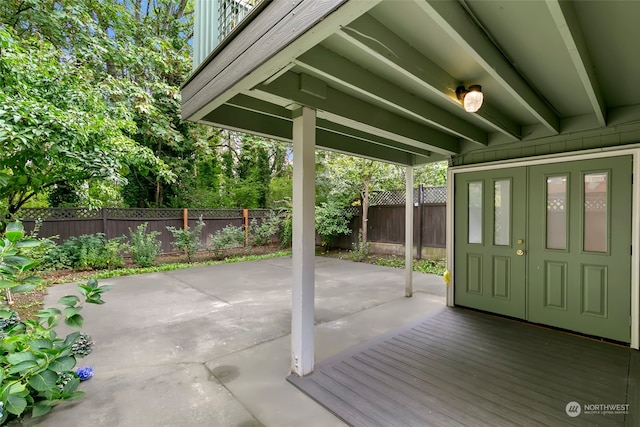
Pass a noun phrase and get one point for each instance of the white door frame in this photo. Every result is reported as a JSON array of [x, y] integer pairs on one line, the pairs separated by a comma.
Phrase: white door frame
[[559, 158]]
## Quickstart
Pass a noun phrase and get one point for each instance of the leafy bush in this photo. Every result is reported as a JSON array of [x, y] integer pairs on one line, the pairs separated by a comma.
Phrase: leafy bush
[[144, 246], [262, 234], [286, 236], [187, 241], [229, 237], [52, 255], [360, 250], [36, 367], [86, 252], [331, 221]]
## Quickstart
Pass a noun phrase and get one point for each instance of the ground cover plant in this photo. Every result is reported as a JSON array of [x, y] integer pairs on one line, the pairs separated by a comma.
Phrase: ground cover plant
[[36, 365]]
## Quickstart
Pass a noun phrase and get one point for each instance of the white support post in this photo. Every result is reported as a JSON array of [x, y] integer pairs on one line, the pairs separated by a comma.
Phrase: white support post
[[304, 195], [408, 234]]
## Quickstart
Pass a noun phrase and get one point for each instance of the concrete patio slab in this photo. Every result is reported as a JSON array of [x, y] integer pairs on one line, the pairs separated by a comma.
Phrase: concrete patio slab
[[210, 346]]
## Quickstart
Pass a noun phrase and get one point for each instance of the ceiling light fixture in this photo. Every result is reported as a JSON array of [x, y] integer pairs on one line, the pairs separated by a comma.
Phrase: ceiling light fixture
[[471, 98]]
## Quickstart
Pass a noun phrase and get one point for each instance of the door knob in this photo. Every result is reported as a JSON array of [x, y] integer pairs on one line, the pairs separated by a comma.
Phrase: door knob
[[519, 252]]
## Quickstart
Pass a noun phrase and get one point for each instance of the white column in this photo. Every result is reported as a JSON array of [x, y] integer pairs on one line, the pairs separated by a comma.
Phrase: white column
[[408, 234], [304, 196]]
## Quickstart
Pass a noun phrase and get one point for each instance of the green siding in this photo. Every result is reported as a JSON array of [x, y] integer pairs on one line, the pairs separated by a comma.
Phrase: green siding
[[602, 138]]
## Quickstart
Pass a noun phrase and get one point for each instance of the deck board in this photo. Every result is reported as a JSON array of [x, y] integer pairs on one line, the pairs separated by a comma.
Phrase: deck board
[[463, 368]]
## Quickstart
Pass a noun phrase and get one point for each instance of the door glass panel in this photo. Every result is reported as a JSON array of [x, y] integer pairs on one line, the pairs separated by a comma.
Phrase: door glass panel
[[595, 212], [475, 212], [557, 212], [502, 212]]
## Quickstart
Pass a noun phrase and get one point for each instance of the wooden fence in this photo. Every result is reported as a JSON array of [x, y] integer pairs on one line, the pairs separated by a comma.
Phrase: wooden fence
[[385, 224], [116, 222]]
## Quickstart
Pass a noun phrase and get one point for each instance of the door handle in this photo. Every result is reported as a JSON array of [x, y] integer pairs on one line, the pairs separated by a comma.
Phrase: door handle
[[519, 252]]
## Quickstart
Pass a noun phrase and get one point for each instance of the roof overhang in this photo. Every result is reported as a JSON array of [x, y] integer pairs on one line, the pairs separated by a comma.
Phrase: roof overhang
[[382, 76]]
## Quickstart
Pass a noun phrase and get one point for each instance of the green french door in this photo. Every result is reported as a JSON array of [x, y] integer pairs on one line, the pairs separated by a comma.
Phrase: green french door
[[560, 257], [490, 218]]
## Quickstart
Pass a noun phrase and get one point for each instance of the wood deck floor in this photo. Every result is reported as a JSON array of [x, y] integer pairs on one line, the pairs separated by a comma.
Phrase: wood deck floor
[[462, 368]]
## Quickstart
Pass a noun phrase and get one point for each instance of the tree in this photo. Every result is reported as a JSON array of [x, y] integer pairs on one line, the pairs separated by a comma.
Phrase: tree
[[55, 127], [350, 179]]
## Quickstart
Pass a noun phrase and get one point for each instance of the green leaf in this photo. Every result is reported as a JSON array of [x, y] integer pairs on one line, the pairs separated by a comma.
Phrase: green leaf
[[42, 408], [48, 312], [5, 314], [14, 231], [43, 381], [16, 358], [74, 321], [92, 283], [69, 300], [17, 388], [22, 288], [71, 311], [23, 366], [71, 338], [16, 404], [28, 266], [40, 344], [28, 243], [7, 284], [62, 364], [71, 386], [16, 261], [75, 395]]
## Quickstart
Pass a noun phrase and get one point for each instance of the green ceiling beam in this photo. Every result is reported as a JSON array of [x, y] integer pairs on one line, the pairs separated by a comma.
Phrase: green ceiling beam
[[347, 110], [564, 15], [455, 21], [334, 68], [368, 35], [257, 105], [244, 120]]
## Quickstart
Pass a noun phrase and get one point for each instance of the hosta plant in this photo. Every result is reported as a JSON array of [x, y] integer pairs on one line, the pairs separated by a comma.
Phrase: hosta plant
[[37, 365]]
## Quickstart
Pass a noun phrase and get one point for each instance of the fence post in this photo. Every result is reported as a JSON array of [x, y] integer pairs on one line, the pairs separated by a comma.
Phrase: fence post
[[185, 218], [105, 230], [245, 215], [420, 218]]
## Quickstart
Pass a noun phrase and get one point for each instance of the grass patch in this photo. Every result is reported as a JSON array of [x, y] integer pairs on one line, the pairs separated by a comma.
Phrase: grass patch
[[106, 274], [431, 266]]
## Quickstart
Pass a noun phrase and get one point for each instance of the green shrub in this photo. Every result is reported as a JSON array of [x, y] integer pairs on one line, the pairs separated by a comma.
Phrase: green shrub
[[262, 234], [229, 237], [36, 367], [187, 241], [86, 252], [331, 221], [360, 250], [286, 236], [144, 246]]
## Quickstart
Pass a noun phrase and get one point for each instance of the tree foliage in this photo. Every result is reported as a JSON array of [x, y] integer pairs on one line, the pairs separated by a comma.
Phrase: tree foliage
[[61, 120]]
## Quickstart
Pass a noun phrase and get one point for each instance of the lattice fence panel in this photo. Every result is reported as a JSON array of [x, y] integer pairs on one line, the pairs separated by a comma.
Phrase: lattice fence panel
[[353, 210], [60, 213], [143, 213], [431, 195], [215, 213], [392, 197], [261, 213], [434, 195]]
